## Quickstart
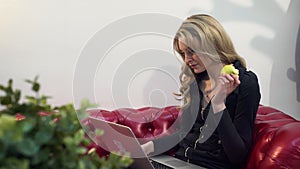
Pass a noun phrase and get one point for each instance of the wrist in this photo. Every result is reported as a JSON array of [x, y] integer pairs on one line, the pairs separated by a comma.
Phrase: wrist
[[218, 107]]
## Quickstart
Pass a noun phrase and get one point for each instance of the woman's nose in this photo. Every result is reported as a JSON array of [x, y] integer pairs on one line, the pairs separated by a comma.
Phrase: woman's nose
[[187, 58]]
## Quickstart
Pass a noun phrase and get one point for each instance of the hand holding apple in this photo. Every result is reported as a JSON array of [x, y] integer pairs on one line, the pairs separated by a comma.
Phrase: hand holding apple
[[228, 81]]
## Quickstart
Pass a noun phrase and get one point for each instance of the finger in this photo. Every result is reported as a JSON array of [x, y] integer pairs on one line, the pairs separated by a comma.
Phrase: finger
[[229, 77], [236, 79], [224, 79]]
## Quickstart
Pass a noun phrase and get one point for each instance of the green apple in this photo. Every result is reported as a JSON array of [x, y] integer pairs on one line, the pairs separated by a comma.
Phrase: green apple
[[229, 69]]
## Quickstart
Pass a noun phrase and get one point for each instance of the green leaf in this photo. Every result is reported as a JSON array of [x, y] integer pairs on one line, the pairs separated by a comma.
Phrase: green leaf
[[78, 137], [28, 147], [7, 122], [2, 87], [66, 125], [6, 100], [28, 81], [80, 150], [36, 78], [41, 156], [44, 134], [17, 135], [81, 164], [43, 99], [15, 163], [86, 163], [10, 83], [27, 125], [9, 89], [3, 148], [31, 99], [17, 95], [36, 87], [68, 141], [85, 104], [86, 141]]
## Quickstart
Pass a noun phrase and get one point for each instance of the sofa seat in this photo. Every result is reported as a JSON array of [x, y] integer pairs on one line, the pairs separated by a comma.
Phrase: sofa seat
[[276, 137]]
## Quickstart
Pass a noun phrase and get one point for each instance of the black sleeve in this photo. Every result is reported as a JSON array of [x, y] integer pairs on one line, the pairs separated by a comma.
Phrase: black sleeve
[[236, 135]]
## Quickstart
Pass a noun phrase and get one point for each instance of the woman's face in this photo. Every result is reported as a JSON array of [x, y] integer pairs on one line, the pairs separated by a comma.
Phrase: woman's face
[[191, 58]]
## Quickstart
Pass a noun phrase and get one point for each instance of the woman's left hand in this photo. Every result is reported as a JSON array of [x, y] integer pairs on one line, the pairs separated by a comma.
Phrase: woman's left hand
[[226, 85]]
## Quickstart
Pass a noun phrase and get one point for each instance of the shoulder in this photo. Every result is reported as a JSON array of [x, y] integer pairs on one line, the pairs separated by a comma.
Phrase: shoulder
[[247, 77], [249, 84], [249, 81]]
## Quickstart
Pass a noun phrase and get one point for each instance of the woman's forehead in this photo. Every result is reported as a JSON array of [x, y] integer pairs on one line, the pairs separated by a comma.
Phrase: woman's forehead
[[188, 43], [182, 44]]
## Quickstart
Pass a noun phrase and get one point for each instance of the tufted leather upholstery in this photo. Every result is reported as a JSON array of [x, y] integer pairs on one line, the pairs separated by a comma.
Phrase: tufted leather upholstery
[[276, 139], [147, 123]]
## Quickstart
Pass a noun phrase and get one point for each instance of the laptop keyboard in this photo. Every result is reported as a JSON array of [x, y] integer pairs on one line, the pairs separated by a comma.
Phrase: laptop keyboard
[[157, 165]]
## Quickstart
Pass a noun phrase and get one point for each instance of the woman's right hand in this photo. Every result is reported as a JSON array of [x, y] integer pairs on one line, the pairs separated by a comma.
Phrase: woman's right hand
[[148, 148], [226, 85]]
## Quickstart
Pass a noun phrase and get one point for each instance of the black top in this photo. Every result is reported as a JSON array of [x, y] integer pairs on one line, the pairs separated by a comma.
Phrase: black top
[[218, 140]]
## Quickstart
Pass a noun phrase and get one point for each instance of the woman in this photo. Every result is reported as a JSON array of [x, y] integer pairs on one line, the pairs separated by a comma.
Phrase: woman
[[221, 134]]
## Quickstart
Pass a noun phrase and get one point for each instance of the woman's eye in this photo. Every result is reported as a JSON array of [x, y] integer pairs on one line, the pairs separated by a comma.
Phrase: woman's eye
[[190, 52]]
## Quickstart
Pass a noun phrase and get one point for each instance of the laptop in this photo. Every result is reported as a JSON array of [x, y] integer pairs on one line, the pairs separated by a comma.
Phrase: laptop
[[121, 139]]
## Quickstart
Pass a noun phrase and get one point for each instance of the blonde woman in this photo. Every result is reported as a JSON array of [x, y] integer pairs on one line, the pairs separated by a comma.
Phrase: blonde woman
[[221, 133]]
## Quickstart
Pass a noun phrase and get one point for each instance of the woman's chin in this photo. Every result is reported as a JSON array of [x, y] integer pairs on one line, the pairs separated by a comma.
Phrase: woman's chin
[[197, 71]]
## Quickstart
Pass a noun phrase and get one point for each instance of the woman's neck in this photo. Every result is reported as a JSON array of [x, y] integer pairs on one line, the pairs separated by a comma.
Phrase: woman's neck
[[207, 86]]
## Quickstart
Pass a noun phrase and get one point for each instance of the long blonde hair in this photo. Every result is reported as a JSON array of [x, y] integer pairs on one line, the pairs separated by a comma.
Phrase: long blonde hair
[[206, 37]]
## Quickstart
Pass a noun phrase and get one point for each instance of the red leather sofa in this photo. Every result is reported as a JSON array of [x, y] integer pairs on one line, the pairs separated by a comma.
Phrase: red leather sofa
[[276, 139]]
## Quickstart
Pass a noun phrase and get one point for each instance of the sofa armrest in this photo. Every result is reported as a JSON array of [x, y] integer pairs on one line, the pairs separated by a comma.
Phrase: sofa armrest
[[276, 140]]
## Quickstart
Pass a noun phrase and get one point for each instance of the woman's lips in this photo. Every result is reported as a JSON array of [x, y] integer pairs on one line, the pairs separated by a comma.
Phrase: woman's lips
[[193, 65]]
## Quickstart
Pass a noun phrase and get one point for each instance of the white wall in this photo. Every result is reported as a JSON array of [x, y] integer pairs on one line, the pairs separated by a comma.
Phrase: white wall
[[46, 38]]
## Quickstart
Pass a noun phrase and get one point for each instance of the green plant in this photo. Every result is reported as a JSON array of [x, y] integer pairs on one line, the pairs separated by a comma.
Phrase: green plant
[[35, 135]]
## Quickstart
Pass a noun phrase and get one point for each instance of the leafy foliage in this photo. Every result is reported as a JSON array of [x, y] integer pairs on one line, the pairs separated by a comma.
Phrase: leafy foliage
[[35, 135]]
